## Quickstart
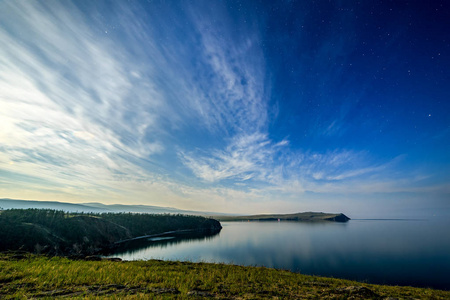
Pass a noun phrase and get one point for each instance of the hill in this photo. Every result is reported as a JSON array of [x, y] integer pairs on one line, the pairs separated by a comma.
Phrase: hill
[[305, 216], [61, 233]]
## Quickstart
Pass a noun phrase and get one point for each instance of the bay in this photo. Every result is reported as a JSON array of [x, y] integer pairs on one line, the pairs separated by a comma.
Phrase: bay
[[396, 252]]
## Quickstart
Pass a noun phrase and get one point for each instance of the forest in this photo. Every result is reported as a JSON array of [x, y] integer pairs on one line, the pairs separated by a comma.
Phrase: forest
[[61, 233]]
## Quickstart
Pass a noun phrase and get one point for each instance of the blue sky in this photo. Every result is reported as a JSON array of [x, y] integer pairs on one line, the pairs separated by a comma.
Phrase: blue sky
[[228, 106]]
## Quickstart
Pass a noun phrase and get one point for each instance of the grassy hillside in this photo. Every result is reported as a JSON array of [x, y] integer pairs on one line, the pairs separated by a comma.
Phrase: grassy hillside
[[31, 276], [60, 233], [305, 216]]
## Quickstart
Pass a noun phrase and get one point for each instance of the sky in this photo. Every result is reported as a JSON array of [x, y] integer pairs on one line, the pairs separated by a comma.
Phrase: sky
[[228, 106]]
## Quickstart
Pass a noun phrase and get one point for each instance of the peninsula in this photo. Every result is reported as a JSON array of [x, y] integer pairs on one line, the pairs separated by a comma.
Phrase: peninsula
[[300, 217], [53, 232]]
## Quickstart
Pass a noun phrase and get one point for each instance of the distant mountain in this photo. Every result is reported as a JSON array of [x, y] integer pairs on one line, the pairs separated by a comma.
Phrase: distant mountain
[[95, 207], [304, 216], [69, 207], [142, 209]]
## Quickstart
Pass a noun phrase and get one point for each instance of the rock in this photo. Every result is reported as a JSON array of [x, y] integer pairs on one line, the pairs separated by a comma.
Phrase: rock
[[18, 257], [339, 218], [75, 257], [115, 259], [93, 258]]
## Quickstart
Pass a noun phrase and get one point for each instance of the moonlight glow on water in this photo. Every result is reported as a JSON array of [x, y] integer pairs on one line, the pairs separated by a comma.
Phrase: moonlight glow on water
[[400, 252]]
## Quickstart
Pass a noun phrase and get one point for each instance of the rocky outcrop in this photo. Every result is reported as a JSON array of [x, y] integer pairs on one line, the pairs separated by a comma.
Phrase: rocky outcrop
[[211, 225], [338, 218]]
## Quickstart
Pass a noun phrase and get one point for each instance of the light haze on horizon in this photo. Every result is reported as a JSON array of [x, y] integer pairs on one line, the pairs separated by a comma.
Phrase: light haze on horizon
[[228, 106]]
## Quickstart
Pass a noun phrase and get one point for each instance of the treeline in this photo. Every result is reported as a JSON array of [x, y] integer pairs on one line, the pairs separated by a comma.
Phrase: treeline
[[61, 233], [146, 224]]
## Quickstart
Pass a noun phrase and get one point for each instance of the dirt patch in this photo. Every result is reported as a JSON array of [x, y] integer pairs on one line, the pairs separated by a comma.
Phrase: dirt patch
[[357, 291], [165, 291], [200, 293], [103, 290], [92, 290], [10, 279], [57, 293], [316, 283]]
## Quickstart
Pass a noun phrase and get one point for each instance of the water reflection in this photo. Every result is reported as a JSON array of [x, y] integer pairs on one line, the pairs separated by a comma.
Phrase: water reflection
[[134, 248], [393, 252]]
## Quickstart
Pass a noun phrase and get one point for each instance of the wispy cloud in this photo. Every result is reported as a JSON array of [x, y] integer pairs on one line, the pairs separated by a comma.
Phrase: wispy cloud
[[68, 102], [239, 97], [245, 157], [124, 105]]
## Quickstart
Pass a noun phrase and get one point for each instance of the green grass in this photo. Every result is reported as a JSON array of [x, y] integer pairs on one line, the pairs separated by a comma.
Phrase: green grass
[[43, 277]]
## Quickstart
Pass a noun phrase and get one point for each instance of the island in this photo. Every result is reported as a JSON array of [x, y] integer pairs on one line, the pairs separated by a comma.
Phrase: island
[[299, 217]]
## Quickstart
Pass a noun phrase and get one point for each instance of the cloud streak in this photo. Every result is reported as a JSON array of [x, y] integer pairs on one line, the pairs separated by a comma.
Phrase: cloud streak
[[244, 158], [66, 98], [120, 102]]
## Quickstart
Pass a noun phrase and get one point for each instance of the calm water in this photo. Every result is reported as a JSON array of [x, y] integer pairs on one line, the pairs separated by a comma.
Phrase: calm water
[[378, 251]]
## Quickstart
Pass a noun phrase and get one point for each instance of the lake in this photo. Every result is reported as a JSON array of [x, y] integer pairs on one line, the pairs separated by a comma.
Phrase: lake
[[396, 252]]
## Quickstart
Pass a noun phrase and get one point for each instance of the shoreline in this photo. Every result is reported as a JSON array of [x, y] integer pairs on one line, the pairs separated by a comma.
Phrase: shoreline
[[155, 235], [35, 276]]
